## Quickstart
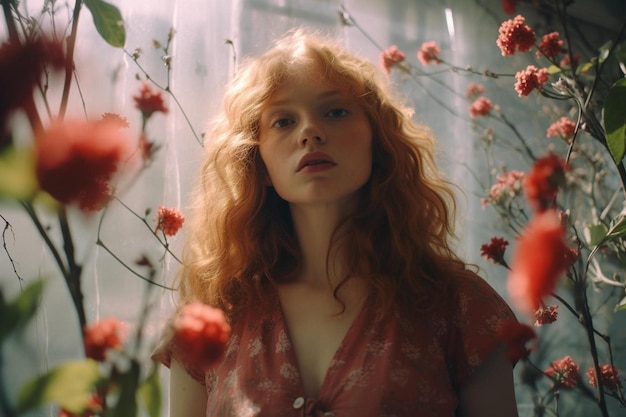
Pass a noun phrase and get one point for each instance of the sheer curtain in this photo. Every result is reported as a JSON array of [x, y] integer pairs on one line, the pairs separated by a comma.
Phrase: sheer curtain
[[201, 63]]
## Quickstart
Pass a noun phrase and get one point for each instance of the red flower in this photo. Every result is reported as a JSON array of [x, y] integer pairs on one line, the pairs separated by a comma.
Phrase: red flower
[[609, 377], [474, 90], [515, 34], [529, 79], [21, 67], [546, 315], [563, 127], [101, 336], [494, 251], [429, 51], [538, 261], [515, 336], [542, 183], [76, 161], [390, 56], [550, 45], [508, 6], [169, 220], [480, 107], [149, 102], [564, 372], [200, 333]]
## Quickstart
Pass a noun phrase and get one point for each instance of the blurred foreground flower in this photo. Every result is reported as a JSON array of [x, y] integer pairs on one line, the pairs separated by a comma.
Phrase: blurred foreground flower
[[538, 261], [76, 160], [103, 335], [200, 334]]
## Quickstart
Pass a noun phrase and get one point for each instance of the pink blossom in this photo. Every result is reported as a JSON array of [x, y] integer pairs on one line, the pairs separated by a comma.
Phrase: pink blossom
[[538, 261], [101, 336], [564, 372], [200, 334], [515, 34], [550, 45], [169, 220], [609, 377], [474, 90], [390, 56], [481, 107], [546, 315], [508, 185], [529, 79], [429, 51], [563, 127]]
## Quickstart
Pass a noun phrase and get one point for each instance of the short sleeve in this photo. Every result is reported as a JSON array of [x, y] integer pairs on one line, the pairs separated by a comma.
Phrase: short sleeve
[[166, 350], [480, 312]]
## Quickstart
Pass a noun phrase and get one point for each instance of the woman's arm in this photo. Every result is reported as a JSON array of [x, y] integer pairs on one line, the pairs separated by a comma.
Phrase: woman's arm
[[188, 397], [490, 391]]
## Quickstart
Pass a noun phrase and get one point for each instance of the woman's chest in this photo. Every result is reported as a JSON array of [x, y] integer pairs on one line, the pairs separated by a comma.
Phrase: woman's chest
[[378, 369]]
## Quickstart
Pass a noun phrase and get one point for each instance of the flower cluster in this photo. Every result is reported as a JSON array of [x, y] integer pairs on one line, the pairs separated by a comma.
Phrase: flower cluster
[[149, 102], [494, 251], [515, 34], [546, 315], [564, 372], [550, 45], [609, 377], [542, 183], [529, 79], [481, 107], [508, 185], [563, 128], [429, 52], [391, 56], [169, 220]]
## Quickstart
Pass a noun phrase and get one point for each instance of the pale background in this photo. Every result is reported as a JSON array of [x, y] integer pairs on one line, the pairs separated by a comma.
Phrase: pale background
[[201, 64]]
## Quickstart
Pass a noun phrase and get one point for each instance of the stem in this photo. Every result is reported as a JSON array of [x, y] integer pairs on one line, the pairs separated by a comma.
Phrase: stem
[[73, 278], [69, 59]]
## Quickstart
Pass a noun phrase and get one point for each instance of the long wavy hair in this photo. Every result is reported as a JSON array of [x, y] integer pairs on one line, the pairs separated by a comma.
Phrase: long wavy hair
[[241, 237]]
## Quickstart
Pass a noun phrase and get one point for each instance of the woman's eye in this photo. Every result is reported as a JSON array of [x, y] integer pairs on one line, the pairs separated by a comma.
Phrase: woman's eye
[[282, 123], [337, 113]]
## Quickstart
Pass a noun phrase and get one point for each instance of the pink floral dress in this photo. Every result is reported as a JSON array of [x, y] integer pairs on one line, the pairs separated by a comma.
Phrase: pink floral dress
[[385, 365]]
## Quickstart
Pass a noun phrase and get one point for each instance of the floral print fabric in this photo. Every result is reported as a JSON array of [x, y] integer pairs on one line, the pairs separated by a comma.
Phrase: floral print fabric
[[385, 366]]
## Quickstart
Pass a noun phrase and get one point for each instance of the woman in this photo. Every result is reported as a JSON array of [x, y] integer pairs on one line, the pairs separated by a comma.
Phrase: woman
[[321, 228]]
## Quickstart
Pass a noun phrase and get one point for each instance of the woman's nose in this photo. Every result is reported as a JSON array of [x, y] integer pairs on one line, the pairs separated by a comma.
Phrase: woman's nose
[[311, 132]]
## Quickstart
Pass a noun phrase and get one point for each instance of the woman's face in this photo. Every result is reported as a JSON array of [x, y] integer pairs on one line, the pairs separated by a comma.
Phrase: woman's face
[[315, 141]]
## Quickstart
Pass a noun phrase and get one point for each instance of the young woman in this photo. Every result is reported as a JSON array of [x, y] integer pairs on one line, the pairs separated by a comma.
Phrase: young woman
[[321, 227]]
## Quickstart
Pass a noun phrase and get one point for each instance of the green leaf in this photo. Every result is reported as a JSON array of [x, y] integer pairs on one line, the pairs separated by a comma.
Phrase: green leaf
[[604, 51], [553, 69], [620, 55], [621, 305], [150, 393], [617, 230], [614, 115], [108, 21], [18, 313], [584, 68], [595, 233], [17, 174], [69, 385]]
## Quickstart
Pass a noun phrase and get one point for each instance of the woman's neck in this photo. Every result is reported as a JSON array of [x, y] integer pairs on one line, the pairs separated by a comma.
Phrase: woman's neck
[[314, 227]]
